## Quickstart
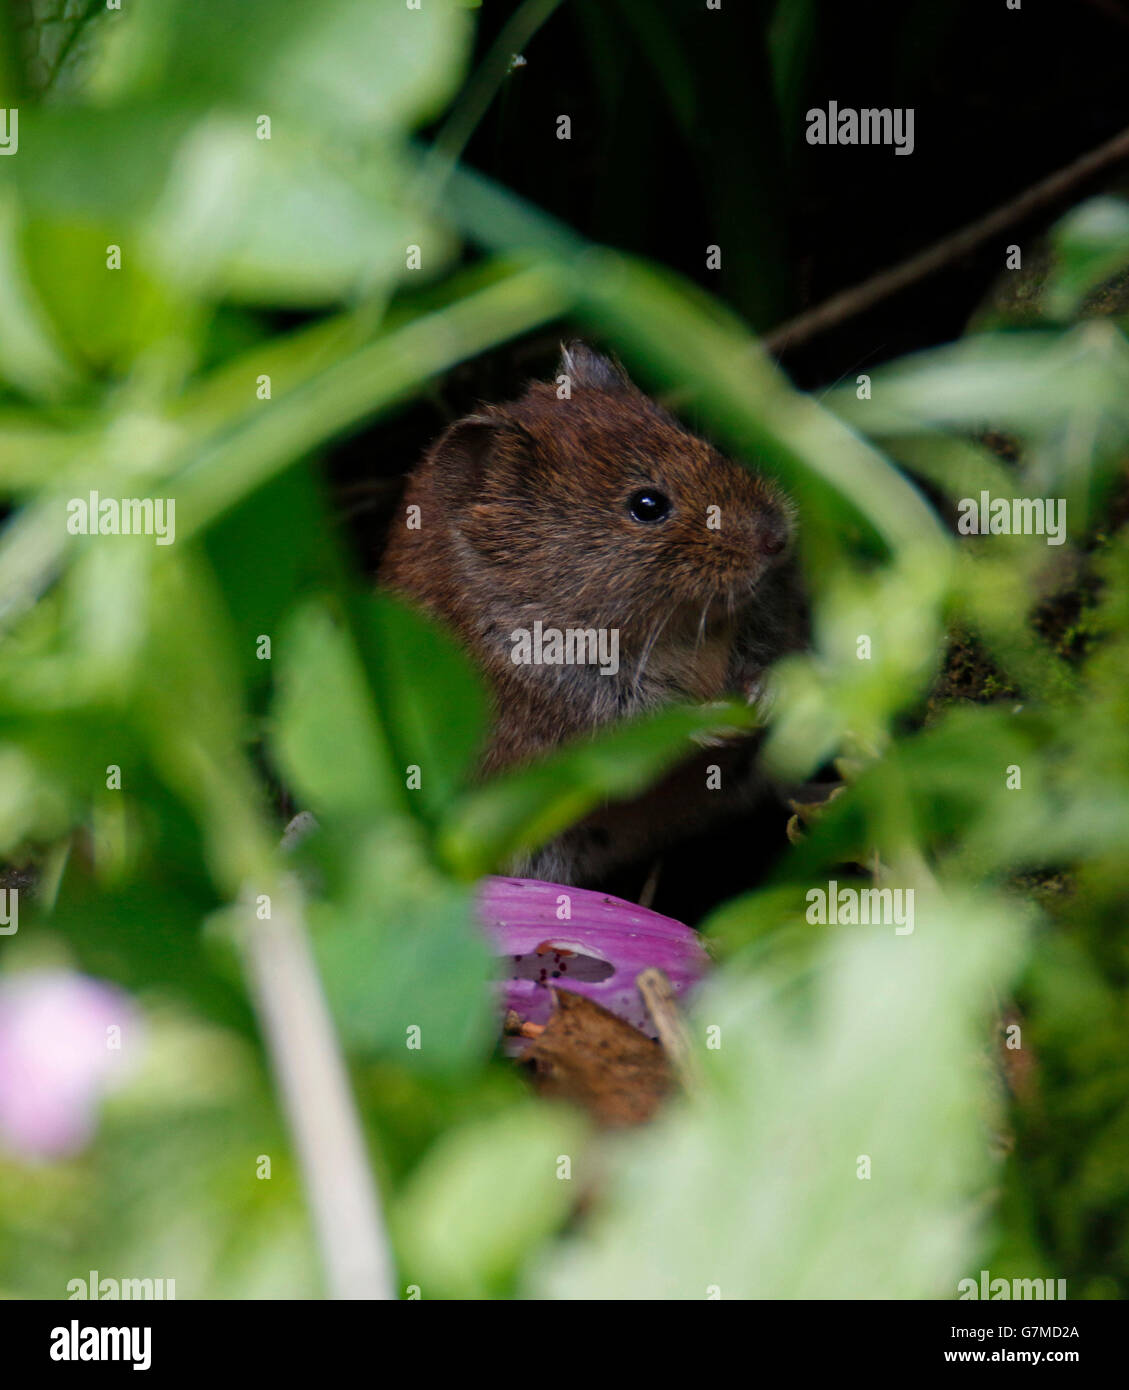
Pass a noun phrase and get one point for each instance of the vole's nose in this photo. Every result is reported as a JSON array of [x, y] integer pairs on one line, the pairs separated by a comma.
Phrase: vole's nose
[[772, 535]]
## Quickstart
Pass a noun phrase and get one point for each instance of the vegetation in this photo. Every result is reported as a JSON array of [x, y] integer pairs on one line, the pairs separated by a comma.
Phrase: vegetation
[[248, 263]]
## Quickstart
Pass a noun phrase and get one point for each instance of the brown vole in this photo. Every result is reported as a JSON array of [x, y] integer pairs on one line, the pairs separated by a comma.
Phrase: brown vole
[[662, 566]]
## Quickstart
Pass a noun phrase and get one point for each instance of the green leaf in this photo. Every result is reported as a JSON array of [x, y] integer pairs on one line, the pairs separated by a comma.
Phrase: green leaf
[[107, 318], [190, 711], [432, 701], [261, 582], [331, 397], [837, 693], [211, 210], [31, 357], [482, 1197], [758, 1189], [405, 966], [31, 450], [59, 40], [348, 66], [328, 739], [385, 714], [1029, 381], [1092, 245], [292, 221], [791, 36], [523, 809]]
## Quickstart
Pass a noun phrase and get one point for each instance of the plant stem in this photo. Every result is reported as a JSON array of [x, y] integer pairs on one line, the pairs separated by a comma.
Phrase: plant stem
[[856, 300], [311, 1077]]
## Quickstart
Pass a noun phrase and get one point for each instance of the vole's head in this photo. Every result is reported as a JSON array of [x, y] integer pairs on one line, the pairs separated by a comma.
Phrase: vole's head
[[599, 508]]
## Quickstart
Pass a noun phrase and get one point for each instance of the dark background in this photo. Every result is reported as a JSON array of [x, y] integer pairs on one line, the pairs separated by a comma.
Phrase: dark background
[[678, 142], [1001, 99]]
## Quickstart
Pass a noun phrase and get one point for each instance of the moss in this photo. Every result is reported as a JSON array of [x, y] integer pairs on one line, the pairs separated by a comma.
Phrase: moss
[[968, 676]]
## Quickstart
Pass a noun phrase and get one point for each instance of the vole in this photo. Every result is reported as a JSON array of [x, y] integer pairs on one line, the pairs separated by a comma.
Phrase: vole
[[585, 506]]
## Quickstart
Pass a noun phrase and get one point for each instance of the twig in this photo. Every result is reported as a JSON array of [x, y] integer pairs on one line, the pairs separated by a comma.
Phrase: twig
[[650, 888], [847, 303], [658, 995], [514, 1026], [479, 92], [311, 1077]]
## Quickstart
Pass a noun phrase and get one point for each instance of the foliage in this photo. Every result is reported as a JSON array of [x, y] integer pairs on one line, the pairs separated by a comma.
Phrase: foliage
[[138, 130]]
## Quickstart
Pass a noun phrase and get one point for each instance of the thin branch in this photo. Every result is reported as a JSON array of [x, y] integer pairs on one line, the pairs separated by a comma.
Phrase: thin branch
[[856, 300], [657, 994], [475, 98], [311, 1077]]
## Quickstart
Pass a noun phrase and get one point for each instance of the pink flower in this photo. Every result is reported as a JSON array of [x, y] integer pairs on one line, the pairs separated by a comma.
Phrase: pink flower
[[548, 934], [63, 1041]]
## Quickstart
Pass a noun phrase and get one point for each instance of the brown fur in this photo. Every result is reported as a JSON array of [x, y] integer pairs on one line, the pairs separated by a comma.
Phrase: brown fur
[[524, 517]]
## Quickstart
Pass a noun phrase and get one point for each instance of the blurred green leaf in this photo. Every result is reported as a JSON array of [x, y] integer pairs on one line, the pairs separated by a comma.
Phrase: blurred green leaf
[[523, 809], [406, 968], [292, 222], [1024, 381], [430, 695], [486, 1194], [1092, 245], [59, 39], [105, 317], [31, 357], [876, 640], [873, 1056], [190, 712], [213, 211], [300, 65], [790, 40], [328, 739], [332, 397], [391, 725], [31, 451]]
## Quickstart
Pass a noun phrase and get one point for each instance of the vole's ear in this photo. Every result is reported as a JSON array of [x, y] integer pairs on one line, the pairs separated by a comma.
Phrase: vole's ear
[[583, 367], [461, 458]]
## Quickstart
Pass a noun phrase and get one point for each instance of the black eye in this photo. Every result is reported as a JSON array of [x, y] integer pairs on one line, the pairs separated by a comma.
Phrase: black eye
[[648, 504]]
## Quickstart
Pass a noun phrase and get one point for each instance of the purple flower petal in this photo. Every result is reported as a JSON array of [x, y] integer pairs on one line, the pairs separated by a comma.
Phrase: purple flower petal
[[596, 951], [55, 1058]]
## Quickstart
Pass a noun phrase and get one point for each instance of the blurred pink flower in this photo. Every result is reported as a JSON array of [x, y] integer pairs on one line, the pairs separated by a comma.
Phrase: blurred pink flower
[[57, 1058]]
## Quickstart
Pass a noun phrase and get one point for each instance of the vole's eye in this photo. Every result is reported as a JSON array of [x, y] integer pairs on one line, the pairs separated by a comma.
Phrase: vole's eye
[[648, 504]]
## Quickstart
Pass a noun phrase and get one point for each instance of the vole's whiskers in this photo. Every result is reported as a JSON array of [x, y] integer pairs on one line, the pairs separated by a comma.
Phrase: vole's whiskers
[[648, 647], [701, 637]]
